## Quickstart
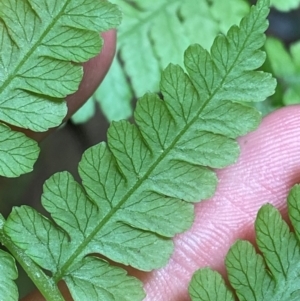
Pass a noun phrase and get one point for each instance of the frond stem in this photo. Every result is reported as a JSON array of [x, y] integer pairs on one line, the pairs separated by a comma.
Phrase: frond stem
[[46, 285]]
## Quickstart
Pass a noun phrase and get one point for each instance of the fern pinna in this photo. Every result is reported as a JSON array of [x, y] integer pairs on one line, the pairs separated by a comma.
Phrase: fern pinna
[[271, 275], [39, 40], [153, 34], [137, 190]]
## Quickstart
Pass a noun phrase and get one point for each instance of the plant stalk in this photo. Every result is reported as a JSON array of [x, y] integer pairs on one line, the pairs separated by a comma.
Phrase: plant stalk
[[44, 284]]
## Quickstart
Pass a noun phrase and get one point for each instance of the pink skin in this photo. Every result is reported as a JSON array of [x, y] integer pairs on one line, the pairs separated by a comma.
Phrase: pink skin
[[268, 166]]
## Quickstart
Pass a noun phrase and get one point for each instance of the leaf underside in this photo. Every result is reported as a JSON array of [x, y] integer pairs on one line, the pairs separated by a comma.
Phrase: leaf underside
[[18, 153], [8, 288], [39, 40], [153, 34], [42, 46], [274, 275], [138, 189]]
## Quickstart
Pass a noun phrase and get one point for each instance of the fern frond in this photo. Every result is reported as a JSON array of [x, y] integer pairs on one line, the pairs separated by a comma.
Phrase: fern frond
[[153, 34], [285, 66], [138, 188], [9, 273], [18, 153], [38, 41], [274, 275], [208, 285]]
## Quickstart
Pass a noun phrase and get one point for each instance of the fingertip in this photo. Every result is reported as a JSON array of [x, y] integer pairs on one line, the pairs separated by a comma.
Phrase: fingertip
[[269, 165], [94, 72]]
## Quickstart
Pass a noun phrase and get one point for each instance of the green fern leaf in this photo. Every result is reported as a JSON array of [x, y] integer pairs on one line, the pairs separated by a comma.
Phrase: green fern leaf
[[38, 41], [102, 282], [8, 288], [18, 153], [138, 188], [115, 95], [274, 275], [153, 34], [208, 285], [286, 67], [9, 273]]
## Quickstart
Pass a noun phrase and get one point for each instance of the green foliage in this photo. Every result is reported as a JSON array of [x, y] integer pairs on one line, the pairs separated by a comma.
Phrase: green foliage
[[274, 275], [86, 112], [8, 288], [153, 34], [39, 40], [286, 67], [208, 285], [17, 152], [285, 5], [137, 189]]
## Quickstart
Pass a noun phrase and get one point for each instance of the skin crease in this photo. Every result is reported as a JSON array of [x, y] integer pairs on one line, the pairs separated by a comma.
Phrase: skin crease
[[267, 168]]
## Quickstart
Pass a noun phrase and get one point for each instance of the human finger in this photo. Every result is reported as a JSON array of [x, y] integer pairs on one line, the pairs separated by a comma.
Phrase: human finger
[[268, 167], [94, 72]]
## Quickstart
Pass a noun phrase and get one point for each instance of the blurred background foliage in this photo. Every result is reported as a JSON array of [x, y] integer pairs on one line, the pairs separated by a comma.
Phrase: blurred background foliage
[[154, 33]]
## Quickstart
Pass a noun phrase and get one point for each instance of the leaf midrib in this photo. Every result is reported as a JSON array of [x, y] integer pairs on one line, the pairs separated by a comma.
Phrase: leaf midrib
[[106, 219], [34, 47]]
